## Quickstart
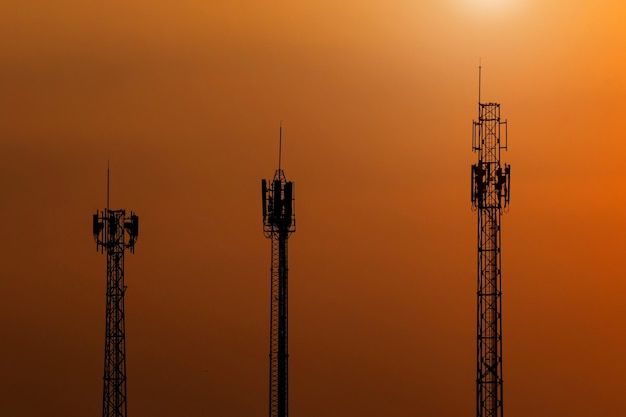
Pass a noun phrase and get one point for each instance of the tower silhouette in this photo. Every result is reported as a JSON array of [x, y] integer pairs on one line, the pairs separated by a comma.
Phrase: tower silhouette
[[490, 198], [114, 233], [279, 223]]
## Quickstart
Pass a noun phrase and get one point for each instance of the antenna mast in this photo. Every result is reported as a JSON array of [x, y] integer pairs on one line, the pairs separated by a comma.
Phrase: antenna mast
[[480, 68], [108, 184], [280, 144], [491, 183], [279, 222]]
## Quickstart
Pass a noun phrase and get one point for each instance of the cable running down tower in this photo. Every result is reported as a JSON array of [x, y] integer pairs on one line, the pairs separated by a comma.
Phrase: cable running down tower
[[279, 222], [114, 233], [490, 198]]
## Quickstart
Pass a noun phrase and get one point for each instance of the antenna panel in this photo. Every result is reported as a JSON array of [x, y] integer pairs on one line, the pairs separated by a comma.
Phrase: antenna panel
[[97, 226], [288, 201], [132, 226]]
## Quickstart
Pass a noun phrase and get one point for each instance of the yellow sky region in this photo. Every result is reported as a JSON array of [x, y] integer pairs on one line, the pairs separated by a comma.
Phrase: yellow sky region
[[377, 98]]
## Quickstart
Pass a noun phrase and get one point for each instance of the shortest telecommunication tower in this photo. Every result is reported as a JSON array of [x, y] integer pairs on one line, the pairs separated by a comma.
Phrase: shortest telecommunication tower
[[279, 222], [114, 232]]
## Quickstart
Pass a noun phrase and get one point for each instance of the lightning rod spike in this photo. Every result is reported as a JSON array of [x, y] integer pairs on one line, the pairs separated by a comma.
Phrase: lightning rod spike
[[480, 69], [280, 143]]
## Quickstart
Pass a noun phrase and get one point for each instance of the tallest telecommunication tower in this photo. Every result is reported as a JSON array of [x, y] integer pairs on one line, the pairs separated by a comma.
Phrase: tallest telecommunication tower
[[490, 198], [114, 233], [279, 222]]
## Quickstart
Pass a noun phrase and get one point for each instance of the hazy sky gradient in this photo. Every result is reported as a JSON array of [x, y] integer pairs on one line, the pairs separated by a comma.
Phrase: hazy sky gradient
[[377, 99]]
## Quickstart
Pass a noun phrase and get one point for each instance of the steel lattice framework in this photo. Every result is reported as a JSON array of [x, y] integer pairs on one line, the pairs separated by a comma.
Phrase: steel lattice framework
[[278, 223], [114, 233], [490, 197]]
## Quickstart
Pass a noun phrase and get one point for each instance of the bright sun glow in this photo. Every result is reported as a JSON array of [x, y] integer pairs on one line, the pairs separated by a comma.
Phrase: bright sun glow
[[493, 7], [491, 3]]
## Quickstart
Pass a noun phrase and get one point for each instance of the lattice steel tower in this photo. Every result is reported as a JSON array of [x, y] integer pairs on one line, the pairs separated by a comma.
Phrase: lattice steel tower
[[490, 197], [114, 233], [279, 222]]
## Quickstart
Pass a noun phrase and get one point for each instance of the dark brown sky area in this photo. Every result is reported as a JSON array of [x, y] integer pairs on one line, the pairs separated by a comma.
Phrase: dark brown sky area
[[377, 98]]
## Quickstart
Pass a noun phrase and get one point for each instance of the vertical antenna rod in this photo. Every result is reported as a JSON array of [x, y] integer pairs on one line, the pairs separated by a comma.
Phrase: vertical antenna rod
[[108, 183], [280, 144], [480, 69], [490, 198], [114, 233], [279, 222]]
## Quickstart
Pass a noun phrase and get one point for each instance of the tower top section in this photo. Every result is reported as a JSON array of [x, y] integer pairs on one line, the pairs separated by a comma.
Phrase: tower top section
[[112, 229], [491, 179], [278, 200]]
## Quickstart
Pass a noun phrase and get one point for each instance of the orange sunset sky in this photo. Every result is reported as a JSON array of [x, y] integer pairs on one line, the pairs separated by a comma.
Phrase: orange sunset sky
[[377, 98]]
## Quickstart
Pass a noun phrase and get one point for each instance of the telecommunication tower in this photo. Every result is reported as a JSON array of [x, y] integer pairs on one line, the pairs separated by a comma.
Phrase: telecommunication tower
[[114, 233], [490, 198], [279, 222]]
